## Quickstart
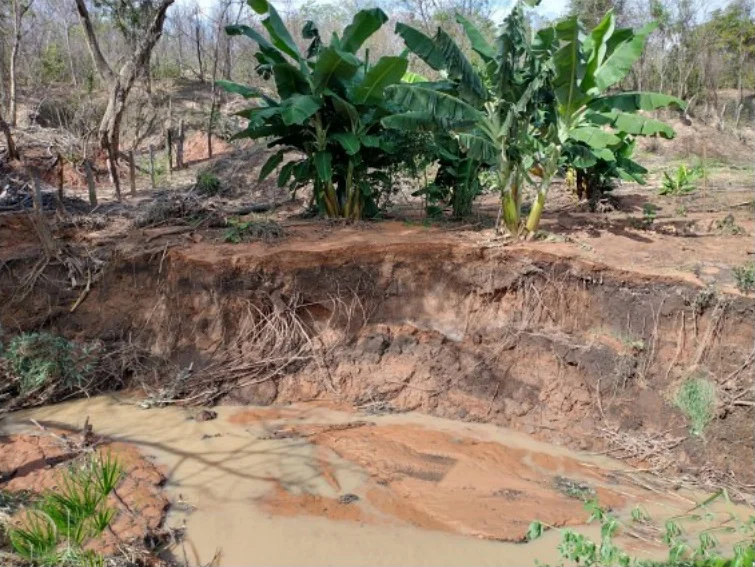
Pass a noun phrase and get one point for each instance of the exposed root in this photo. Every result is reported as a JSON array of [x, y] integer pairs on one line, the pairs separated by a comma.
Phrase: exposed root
[[651, 448]]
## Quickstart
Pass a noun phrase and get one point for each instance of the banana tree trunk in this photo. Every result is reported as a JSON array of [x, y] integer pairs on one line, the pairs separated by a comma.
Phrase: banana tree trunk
[[549, 170], [509, 200]]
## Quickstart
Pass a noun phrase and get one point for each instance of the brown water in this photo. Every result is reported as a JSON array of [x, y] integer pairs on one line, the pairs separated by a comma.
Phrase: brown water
[[262, 485]]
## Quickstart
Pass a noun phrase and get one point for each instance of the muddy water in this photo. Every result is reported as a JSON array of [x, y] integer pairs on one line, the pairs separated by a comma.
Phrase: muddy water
[[308, 484]]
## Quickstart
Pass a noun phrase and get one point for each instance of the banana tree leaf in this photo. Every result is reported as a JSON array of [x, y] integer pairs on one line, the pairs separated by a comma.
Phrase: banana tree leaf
[[413, 78], [323, 166], [580, 156], [438, 104], [594, 137], [422, 46], [630, 170], [257, 116], [416, 121], [638, 125], [348, 140], [370, 141], [272, 162], [619, 59], [458, 66], [289, 81], [479, 147], [595, 48], [364, 24], [633, 101], [243, 90], [570, 66], [285, 173], [279, 34], [251, 33], [297, 108], [344, 108], [387, 71], [259, 6], [479, 44], [333, 64]]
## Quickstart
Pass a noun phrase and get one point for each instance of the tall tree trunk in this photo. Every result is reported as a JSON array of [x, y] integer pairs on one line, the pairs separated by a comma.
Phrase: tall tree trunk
[[13, 87], [70, 58], [198, 40]]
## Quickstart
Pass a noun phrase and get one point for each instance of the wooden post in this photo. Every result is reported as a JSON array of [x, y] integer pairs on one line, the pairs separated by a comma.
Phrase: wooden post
[[132, 172], [211, 121], [90, 183], [169, 152], [169, 137], [180, 145], [152, 164], [61, 176]]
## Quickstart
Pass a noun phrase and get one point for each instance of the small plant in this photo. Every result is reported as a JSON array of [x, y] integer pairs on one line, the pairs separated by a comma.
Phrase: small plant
[[681, 211], [262, 229], [728, 226], [56, 530], [681, 182], [744, 276], [649, 213], [39, 359], [696, 398], [208, 183], [579, 549]]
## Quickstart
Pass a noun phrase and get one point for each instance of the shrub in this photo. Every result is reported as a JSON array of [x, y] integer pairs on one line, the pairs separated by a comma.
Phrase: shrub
[[256, 229], [744, 276], [696, 398], [208, 183], [681, 182], [41, 359]]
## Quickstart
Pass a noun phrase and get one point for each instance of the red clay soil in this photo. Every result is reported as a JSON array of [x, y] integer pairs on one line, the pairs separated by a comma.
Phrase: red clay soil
[[195, 147], [432, 480], [35, 463]]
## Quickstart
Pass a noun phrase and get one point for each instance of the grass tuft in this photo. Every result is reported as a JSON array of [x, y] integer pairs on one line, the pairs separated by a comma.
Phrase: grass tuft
[[744, 276], [696, 398]]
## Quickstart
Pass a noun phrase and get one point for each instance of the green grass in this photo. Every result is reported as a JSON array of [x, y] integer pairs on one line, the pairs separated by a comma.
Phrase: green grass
[[56, 530], [684, 549], [696, 398], [257, 229], [38, 359], [744, 276], [208, 183]]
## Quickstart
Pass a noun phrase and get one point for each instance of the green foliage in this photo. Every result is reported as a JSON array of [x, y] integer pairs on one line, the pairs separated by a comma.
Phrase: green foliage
[[538, 102], [208, 183], [744, 276], [54, 68], [649, 212], [41, 359], [328, 108], [696, 398], [680, 182], [579, 549], [258, 229], [55, 531]]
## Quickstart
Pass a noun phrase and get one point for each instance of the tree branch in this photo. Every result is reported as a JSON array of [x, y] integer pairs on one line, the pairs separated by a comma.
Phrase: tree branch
[[152, 36], [94, 47]]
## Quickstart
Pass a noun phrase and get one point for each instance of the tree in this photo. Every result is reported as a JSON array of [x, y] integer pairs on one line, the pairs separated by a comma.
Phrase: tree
[[20, 8], [12, 151], [590, 12], [121, 83]]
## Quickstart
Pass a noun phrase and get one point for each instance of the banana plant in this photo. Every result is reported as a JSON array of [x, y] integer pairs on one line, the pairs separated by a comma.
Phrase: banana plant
[[493, 114], [591, 120], [328, 107]]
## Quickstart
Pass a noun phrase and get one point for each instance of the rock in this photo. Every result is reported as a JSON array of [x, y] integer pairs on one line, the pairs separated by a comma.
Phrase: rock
[[206, 415], [348, 498]]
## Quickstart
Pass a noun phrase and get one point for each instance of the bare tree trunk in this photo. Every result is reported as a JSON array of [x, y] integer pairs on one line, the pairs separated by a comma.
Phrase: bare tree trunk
[[70, 57], [152, 165], [19, 11], [121, 83], [198, 40], [132, 172], [90, 183], [180, 145], [12, 150]]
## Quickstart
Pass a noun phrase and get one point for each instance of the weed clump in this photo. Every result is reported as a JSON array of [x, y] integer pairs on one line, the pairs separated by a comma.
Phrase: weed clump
[[208, 184], [39, 360], [255, 229], [744, 276], [696, 398]]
